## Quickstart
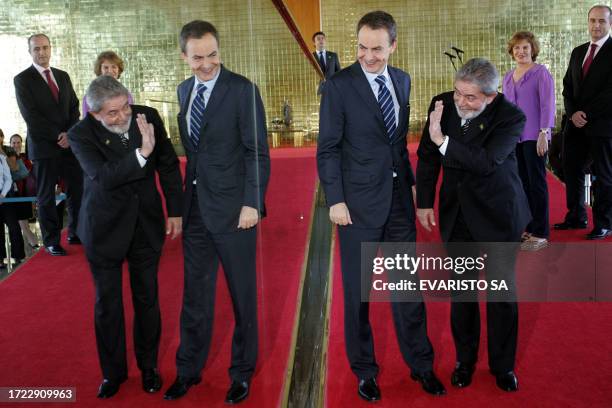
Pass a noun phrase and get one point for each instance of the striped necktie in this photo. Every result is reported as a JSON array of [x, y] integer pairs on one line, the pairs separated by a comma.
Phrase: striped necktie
[[124, 140], [385, 101], [197, 114], [465, 127]]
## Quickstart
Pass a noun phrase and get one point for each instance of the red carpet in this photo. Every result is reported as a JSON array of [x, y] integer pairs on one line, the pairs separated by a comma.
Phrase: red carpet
[[564, 356], [47, 334]]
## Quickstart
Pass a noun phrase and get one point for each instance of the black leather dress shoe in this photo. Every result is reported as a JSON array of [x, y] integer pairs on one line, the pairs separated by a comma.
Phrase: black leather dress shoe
[[507, 381], [368, 389], [108, 388], [462, 375], [180, 387], [569, 225], [73, 240], [151, 380], [56, 250], [430, 383], [237, 392], [599, 233]]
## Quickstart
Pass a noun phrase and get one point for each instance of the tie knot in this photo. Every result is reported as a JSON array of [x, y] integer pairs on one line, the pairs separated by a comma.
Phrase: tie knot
[[381, 79], [201, 89]]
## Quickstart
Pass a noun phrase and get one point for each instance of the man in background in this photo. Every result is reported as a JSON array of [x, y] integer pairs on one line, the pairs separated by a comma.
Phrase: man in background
[[328, 61], [50, 107], [587, 96]]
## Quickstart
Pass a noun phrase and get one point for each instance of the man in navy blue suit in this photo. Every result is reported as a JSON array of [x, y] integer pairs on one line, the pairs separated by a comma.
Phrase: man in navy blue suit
[[365, 171], [223, 130]]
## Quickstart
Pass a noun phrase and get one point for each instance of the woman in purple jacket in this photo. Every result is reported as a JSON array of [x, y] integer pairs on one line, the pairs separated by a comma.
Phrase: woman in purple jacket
[[530, 86]]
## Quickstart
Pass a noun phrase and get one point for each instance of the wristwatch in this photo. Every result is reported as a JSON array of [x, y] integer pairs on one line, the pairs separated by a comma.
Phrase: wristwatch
[[443, 140]]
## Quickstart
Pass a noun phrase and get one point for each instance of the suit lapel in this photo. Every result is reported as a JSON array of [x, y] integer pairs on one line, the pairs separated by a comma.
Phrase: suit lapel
[[600, 58], [185, 90], [401, 94], [361, 84], [578, 62], [135, 137], [41, 84], [216, 98]]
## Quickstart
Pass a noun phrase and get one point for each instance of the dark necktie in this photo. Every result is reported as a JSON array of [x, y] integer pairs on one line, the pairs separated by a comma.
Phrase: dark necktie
[[322, 61], [589, 60], [124, 140], [465, 127], [197, 114], [385, 101], [52, 86]]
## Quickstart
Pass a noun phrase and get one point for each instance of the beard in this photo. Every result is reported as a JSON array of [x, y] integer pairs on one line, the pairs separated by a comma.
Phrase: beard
[[471, 114], [118, 129]]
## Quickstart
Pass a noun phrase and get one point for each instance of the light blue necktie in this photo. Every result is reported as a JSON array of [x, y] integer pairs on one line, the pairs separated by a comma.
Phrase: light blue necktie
[[385, 101], [197, 114]]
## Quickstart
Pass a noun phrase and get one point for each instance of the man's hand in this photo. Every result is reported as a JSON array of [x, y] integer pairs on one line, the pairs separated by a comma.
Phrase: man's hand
[[435, 130], [426, 218], [62, 140], [249, 217], [148, 135], [339, 214], [579, 119], [174, 226], [542, 144]]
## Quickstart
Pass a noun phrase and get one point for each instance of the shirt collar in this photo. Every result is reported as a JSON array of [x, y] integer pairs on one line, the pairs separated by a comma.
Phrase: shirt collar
[[208, 84], [40, 69], [372, 77], [601, 41]]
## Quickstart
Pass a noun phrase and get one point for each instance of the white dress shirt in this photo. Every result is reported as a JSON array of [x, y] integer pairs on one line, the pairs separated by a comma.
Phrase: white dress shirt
[[374, 85], [42, 70], [209, 88], [599, 44]]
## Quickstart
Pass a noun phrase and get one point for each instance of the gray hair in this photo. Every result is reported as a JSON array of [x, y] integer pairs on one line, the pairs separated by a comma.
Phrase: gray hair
[[102, 89], [480, 72]]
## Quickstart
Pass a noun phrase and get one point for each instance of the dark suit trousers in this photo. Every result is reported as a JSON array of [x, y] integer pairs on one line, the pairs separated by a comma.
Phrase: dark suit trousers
[[8, 216], [202, 251], [143, 262], [48, 172], [532, 170], [409, 317], [502, 313], [580, 149]]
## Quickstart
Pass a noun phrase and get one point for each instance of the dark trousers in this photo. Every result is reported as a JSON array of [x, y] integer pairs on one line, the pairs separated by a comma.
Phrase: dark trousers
[[580, 149], [502, 313], [409, 318], [532, 170], [48, 173], [143, 262], [202, 251], [8, 216]]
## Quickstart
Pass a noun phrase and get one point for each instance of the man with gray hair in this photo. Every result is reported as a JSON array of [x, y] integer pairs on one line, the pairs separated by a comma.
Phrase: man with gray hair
[[120, 148], [472, 133]]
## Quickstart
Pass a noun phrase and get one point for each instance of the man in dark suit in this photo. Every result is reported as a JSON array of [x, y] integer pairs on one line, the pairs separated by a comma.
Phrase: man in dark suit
[[587, 95], [121, 148], [365, 171], [328, 61], [50, 107], [472, 133], [223, 129]]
